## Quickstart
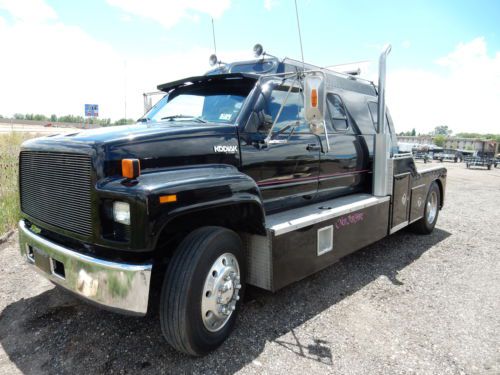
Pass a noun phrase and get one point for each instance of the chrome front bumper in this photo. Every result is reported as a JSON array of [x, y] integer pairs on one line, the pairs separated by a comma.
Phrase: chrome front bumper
[[116, 286]]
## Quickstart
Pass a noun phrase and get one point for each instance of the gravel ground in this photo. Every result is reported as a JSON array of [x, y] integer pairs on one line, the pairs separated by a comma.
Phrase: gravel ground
[[407, 304]]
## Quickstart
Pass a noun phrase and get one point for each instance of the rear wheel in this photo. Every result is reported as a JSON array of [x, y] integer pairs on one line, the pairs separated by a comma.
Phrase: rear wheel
[[202, 290], [427, 223]]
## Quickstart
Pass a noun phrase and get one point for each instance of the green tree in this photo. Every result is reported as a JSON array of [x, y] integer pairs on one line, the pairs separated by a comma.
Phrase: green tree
[[18, 116], [442, 130], [413, 132], [53, 118], [439, 140], [39, 117], [124, 121]]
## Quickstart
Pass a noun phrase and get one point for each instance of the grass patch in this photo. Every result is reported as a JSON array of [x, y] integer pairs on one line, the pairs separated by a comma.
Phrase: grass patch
[[10, 145]]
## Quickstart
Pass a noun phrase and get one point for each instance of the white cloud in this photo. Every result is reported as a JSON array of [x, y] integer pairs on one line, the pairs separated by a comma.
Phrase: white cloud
[[28, 10], [50, 67], [465, 96], [170, 12], [270, 4], [406, 44]]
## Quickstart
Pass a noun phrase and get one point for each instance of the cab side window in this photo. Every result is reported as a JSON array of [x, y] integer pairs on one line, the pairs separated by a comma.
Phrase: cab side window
[[292, 112], [337, 112], [267, 108]]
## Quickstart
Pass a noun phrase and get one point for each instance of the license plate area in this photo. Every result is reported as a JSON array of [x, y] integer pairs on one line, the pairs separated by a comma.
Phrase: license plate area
[[46, 263]]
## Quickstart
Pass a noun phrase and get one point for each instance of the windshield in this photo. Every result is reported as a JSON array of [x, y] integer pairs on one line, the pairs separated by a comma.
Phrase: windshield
[[219, 102]]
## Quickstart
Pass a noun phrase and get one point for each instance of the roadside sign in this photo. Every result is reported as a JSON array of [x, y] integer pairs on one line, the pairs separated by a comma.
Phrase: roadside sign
[[91, 110]]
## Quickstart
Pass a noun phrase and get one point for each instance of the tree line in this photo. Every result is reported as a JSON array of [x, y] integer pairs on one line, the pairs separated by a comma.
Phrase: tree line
[[441, 132], [70, 118]]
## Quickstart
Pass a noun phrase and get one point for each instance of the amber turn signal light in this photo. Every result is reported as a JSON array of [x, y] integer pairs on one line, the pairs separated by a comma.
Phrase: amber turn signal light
[[314, 98], [168, 198], [131, 168]]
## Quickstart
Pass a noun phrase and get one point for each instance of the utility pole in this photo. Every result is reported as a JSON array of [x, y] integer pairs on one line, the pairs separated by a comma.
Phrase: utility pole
[[125, 88]]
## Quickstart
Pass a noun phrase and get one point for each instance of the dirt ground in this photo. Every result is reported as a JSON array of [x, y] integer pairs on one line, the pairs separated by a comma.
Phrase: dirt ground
[[407, 304]]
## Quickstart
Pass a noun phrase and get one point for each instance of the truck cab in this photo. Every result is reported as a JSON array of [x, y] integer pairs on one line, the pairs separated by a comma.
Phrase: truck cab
[[259, 172]]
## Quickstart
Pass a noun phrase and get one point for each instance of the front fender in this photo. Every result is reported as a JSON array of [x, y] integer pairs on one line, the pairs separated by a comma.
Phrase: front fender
[[196, 188]]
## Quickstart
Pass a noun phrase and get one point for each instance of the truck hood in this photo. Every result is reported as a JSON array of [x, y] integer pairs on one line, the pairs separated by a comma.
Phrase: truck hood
[[156, 145], [120, 133]]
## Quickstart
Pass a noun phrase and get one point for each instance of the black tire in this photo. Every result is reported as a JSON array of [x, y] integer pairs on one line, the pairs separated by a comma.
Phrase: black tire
[[181, 295], [489, 166], [423, 226], [467, 165]]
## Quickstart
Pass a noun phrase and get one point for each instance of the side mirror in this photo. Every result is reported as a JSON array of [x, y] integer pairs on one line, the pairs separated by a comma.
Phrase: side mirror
[[314, 97]]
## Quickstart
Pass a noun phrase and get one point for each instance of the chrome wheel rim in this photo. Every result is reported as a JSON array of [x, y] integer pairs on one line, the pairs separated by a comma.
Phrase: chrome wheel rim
[[220, 292], [432, 207]]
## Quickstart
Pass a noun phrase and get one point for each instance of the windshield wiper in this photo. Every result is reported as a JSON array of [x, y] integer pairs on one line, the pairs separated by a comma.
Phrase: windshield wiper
[[173, 117]]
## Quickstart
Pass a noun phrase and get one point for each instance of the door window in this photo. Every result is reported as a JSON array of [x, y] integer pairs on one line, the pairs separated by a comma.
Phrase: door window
[[267, 110]]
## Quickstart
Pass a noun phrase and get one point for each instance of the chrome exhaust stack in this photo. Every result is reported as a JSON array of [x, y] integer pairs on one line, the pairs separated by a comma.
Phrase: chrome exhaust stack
[[382, 149]]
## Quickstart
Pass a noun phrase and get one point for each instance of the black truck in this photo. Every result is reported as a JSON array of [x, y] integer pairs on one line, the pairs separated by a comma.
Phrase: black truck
[[258, 173]]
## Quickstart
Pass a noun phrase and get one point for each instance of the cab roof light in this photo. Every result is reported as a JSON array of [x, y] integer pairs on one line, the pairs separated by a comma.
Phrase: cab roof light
[[131, 168]]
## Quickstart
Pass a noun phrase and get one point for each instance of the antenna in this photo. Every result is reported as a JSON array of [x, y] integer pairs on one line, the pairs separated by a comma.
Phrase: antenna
[[213, 34], [300, 36]]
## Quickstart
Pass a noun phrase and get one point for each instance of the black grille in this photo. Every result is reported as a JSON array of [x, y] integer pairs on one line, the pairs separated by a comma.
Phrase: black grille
[[56, 188]]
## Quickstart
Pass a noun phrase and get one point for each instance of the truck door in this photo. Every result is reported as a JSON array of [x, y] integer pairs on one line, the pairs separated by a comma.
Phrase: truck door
[[343, 169], [286, 169]]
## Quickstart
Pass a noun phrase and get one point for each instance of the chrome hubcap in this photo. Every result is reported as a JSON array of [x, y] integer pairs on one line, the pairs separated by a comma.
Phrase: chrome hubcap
[[220, 292], [432, 207]]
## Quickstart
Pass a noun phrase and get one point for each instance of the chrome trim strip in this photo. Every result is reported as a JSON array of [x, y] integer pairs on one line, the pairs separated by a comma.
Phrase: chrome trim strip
[[398, 227], [280, 224], [117, 286], [435, 168]]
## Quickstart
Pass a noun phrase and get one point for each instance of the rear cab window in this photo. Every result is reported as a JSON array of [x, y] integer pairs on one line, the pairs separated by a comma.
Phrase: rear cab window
[[337, 114]]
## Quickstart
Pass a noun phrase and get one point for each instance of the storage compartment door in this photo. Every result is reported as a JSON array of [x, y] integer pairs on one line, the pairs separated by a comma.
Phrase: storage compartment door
[[400, 201]]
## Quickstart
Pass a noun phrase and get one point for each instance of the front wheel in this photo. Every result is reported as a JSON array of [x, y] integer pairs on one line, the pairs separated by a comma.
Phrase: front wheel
[[202, 290], [431, 212]]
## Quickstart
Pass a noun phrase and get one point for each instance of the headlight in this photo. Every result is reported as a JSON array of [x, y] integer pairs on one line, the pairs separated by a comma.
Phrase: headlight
[[121, 212]]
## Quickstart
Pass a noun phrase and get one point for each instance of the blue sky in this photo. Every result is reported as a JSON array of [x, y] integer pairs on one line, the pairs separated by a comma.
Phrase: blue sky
[[333, 31], [116, 49]]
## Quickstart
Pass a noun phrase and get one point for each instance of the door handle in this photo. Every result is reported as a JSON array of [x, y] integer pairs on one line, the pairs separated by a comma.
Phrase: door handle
[[313, 147]]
